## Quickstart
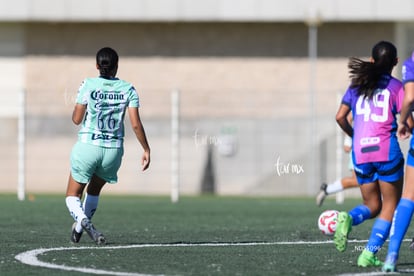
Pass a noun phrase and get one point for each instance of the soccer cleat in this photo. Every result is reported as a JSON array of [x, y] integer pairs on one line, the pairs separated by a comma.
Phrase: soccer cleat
[[96, 236], [75, 237], [343, 228], [388, 268], [390, 264], [321, 195], [367, 259]]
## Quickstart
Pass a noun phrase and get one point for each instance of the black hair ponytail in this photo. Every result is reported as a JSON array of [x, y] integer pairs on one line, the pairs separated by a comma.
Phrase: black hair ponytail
[[367, 76], [107, 61]]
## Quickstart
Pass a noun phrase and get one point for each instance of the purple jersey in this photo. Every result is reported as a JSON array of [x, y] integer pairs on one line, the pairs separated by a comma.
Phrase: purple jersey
[[408, 76], [374, 121], [408, 70]]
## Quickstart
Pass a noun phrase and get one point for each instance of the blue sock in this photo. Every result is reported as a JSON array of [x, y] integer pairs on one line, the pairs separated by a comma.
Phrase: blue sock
[[379, 235], [401, 221], [90, 204], [359, 214]]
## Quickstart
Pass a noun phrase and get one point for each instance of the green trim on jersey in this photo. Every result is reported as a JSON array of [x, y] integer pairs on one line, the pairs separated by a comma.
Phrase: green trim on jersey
[[106, 101]]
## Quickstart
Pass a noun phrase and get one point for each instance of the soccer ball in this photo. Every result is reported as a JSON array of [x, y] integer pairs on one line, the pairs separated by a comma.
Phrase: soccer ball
[[327, 222]]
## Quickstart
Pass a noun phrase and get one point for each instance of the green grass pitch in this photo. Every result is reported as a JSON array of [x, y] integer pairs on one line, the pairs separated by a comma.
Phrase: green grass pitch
[[196, 236]]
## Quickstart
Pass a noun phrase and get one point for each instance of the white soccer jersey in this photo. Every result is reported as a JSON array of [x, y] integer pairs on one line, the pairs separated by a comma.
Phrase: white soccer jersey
[[106, 101]]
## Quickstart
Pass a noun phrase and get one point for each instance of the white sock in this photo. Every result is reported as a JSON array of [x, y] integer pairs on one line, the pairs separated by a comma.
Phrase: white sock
[[334, 187], [74, 205], [90, 204]]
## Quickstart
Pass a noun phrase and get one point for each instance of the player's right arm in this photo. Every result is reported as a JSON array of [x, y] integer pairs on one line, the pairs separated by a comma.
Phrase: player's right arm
[[81, 103], [78, 113], [342, 119]]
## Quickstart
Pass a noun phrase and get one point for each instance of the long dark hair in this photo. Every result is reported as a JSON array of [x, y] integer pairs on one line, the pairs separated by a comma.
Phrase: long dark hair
[[366, 76], [107, 61]]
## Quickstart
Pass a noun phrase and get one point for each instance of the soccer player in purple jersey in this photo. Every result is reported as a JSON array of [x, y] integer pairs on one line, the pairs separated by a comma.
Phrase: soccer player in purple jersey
[[375, 98], [405, 208]]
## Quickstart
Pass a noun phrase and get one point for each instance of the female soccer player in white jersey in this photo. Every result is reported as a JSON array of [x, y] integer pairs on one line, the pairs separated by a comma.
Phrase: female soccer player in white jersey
[[96, 157], [405, 208], [374, 97]]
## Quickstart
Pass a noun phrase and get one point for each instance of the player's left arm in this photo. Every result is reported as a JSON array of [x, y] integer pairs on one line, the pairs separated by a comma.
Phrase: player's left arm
[[139, 131]]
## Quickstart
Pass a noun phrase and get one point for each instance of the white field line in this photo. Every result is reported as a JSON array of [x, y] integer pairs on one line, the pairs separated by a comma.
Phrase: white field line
[[31, 257]]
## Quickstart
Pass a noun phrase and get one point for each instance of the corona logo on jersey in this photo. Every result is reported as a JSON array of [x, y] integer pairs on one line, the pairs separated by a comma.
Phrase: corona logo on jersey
[[109, 95]]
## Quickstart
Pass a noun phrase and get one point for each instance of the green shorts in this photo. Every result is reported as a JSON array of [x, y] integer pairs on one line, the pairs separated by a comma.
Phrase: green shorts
[[87, 160]]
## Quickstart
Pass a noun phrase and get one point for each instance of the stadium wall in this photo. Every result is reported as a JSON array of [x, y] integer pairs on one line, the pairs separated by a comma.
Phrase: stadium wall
[[249, 80]]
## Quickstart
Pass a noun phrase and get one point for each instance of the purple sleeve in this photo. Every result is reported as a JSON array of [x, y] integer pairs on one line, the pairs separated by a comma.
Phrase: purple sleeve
[[347, 98], [400, 99], [408, 70]]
